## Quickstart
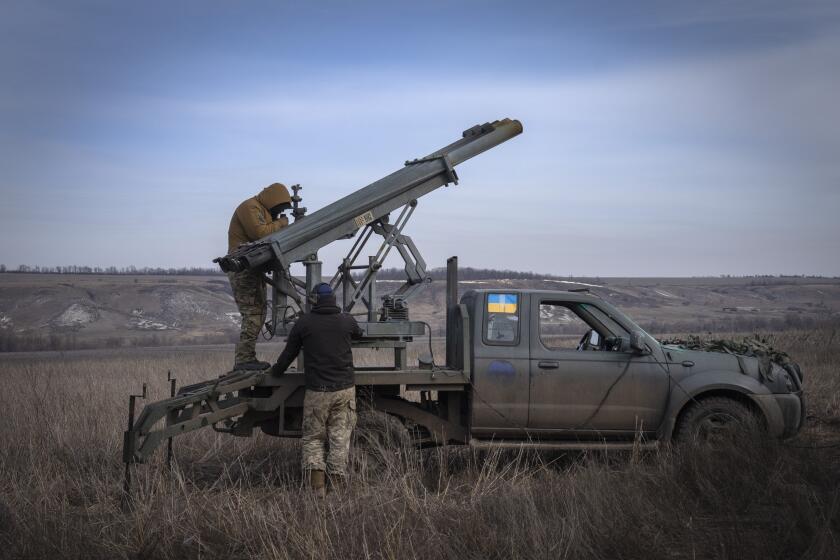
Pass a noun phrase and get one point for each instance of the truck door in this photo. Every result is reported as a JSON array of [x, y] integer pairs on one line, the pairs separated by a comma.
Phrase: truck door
[[500, 364], [584, 383]]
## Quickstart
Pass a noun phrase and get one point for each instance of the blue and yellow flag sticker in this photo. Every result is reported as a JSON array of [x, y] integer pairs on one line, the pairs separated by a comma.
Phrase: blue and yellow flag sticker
[[501, 303]]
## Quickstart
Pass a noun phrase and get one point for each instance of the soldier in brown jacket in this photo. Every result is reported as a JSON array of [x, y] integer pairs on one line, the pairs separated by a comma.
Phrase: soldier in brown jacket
[[254, 219]]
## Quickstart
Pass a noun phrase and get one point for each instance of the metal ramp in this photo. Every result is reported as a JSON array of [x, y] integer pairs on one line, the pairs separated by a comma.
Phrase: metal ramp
[[195, 406]]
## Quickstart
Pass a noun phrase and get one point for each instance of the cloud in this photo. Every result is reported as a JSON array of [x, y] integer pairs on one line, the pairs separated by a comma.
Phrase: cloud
[[618, 172]]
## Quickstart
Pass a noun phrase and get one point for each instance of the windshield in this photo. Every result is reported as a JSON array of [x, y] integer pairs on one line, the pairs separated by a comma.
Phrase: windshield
[[610, 317], [604, 318]]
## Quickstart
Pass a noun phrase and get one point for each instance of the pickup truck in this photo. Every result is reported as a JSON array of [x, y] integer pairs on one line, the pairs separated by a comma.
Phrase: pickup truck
[[535, 368]]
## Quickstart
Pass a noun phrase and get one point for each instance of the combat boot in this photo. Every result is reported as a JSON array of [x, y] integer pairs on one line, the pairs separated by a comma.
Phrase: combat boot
[[318, 483], [251, 365]]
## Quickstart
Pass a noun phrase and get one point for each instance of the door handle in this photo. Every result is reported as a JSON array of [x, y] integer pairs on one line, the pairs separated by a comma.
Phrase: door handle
[[548, 364]]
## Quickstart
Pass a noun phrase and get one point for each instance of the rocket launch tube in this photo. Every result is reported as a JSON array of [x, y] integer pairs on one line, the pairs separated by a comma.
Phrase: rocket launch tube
[[346, 215]]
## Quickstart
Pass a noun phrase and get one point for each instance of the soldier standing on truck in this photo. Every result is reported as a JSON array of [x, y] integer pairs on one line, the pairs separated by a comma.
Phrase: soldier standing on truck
[[255, 218], [329, 404]]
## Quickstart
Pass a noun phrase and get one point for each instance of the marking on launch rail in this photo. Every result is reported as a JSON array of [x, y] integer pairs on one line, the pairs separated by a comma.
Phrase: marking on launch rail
[[501, 303], [364, 219]]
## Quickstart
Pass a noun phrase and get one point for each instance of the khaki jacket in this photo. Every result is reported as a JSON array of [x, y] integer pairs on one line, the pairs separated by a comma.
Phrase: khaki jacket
[[252, 219]]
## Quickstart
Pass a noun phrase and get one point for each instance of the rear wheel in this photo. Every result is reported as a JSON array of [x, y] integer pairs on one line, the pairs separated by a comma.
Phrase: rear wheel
[[715, 420]]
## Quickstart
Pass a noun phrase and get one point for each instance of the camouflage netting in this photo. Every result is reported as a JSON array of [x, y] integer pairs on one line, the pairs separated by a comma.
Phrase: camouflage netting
[[752, 346]]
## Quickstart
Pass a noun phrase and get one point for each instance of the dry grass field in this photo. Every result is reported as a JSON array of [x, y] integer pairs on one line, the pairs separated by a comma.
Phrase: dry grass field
[[61, 483]]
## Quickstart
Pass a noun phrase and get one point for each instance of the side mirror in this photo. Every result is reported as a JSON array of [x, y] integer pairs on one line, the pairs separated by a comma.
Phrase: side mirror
[[594, 338], [637, 342]]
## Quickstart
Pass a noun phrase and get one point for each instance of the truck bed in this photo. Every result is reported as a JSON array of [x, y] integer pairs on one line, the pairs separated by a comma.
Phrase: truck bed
[[257, 396]]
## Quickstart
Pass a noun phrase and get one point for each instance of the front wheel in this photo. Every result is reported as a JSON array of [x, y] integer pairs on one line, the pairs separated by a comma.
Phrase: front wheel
[[713, 420]]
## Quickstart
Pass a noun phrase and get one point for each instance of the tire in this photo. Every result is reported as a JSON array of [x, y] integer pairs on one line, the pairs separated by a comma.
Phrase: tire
[[716, 420]]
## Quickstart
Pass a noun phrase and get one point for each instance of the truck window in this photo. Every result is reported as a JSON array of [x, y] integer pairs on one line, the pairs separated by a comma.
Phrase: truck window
[[560, 327], [565, 326], [501, 319]]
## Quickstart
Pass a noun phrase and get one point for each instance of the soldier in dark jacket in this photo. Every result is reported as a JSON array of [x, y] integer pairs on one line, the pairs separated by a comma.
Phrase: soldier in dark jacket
[[329, 405]]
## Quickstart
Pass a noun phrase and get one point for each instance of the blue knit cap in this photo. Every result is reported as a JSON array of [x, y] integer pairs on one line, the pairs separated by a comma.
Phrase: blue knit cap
[[322, 290]]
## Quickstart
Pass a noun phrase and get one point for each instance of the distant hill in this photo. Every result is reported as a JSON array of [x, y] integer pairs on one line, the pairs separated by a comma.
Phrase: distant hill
[[65, 311]]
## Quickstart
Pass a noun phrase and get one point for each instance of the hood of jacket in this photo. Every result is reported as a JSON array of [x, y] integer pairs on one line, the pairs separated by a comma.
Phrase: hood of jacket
[[274, 194]]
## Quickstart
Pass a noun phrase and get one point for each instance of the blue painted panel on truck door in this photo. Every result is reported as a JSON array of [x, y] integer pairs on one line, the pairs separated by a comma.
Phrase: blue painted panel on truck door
[[500, 376]]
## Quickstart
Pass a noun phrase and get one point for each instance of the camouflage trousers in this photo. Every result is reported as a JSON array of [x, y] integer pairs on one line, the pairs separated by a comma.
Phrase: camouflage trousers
[[328, 422], [249, 294]]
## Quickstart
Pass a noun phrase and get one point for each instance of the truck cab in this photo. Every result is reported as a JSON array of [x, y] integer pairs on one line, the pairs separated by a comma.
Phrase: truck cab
[[554, 366], [561, 365]]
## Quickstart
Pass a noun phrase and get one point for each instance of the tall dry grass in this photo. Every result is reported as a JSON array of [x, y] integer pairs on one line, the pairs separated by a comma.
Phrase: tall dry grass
[[61, 484]]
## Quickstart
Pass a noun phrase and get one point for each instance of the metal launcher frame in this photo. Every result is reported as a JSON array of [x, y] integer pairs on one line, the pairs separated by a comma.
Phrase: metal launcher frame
[[362, 214], [239, 401], [384, 326]]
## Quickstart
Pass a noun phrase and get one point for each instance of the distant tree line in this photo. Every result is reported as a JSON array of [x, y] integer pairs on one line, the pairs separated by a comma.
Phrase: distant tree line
[[468, 273], [464, 273], [770, 276], [126, 270]]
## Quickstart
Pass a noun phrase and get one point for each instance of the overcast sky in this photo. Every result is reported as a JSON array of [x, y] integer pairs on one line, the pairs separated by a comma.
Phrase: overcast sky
[[661, 138]]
